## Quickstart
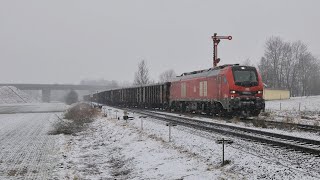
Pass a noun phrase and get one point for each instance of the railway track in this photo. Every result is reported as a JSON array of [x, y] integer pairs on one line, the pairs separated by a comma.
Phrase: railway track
[[279, 140], [303, 127], [273, 124]]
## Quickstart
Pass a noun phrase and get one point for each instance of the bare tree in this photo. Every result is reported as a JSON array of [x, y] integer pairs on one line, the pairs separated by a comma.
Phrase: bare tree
[[72, 97], [167, 75], [290, 65], [247, 62], [142, 75]]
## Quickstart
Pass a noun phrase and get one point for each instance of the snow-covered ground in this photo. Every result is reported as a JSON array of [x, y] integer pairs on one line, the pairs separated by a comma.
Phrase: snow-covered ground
[[32, 108], [112, 148], [116, 149], [307, 103], [26, 150], [10, 94], [288, 110]]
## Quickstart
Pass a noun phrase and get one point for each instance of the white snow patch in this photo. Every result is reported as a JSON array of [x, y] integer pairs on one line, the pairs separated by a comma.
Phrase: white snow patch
[[32, 108], [115, 149], [307, 103], [288, 110], [10, 95], [26, 150]]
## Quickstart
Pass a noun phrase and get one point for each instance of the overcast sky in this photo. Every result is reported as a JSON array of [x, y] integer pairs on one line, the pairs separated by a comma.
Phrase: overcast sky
[[66, 41]]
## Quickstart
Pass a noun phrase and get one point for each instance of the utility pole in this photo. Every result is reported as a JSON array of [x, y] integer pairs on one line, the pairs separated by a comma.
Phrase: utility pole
[[216, 40]]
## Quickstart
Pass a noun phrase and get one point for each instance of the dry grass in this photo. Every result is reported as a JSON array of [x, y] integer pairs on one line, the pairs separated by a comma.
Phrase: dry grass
[[235, 120], [259, 123], [12, 172], [288, 119], [266, 113], [76, 119]]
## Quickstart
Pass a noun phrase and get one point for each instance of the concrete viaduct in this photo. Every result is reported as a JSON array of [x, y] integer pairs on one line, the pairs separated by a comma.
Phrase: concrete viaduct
[[46, 88]]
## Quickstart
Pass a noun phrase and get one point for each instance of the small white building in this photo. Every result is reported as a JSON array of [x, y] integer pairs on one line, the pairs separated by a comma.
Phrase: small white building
[[275, 94]]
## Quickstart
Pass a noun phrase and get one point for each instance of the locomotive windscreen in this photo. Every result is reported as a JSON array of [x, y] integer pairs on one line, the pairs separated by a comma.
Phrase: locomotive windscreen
[[245, 76]]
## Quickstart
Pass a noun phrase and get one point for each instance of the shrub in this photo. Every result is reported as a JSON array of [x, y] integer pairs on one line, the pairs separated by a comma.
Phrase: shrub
[[76, 119], [81, 112]]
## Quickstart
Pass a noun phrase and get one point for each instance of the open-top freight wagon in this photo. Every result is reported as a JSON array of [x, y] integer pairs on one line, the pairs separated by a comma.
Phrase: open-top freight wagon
[[223, 90], [148, 96]]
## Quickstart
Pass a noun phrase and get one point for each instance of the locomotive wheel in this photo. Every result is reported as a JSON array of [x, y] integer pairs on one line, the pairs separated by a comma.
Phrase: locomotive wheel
[[256, 113]]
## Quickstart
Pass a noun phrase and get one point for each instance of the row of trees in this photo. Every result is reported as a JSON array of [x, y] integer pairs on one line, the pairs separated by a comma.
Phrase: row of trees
[[290, 65]]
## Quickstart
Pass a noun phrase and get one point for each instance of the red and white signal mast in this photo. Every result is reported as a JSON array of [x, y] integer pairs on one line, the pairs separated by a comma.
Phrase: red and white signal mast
[[216, 39]]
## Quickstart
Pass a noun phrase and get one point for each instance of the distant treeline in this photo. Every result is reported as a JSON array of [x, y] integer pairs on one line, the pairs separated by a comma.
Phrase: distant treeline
[[290, 65]]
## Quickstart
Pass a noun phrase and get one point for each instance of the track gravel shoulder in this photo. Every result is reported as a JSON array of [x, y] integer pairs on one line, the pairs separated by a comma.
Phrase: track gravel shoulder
[[26, 150]]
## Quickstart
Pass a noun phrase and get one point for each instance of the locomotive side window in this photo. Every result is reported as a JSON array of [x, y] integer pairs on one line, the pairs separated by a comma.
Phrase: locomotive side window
[[183, 90], [205, 91], [201, 89]]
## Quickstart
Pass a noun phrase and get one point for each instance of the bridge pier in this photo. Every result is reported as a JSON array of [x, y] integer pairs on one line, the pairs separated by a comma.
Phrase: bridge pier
[[46, 95]]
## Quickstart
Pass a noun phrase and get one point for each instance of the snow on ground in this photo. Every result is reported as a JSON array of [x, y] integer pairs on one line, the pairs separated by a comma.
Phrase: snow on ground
[[112, 148], [26, 151], [309, 110], [116, 149], [32, 108], [307, 103], [10, 94]]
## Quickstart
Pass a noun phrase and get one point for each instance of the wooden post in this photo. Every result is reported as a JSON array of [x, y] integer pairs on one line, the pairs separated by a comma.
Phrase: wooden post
[[170, 124], [169, 133], [141, 124], [280, 106], [222, 151]]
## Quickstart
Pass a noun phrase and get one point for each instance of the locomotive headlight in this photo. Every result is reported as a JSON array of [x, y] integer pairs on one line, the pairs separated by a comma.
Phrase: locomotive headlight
[[232, 92], [260, 92]]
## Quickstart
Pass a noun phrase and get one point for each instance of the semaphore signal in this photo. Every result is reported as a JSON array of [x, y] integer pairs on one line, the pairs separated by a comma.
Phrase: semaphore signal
[[216, 40]]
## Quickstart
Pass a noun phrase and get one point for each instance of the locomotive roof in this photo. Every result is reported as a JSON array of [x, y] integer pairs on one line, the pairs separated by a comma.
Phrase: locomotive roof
[[202, 73]]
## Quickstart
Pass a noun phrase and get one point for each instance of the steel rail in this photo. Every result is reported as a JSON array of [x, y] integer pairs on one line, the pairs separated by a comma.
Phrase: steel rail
[[296, 143]]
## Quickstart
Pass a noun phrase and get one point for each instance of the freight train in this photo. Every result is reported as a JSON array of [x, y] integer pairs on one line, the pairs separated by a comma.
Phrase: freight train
[[227, 90]]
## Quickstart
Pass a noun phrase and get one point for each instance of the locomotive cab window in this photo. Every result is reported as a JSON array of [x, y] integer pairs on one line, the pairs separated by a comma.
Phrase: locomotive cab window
[[245, 76]]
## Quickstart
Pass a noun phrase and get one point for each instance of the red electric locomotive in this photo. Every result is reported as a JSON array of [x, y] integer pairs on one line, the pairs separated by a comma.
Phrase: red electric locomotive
[[223, 90]]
